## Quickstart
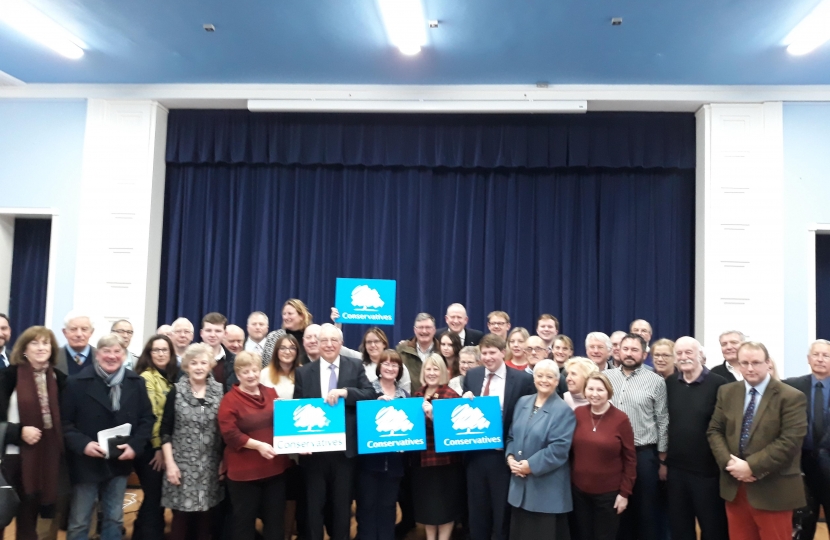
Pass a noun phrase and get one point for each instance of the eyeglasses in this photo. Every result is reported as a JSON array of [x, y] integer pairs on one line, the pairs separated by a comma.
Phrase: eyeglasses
[[288, 349], [537, 349], [496, 323], [123, 332], [159, 351], [373, 342], [388, 363], [329, 341]]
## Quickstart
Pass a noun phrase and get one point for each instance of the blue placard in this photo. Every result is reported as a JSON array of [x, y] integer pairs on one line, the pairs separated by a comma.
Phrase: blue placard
[[463, 424], [365, 301], [391, 426], [309, 425]]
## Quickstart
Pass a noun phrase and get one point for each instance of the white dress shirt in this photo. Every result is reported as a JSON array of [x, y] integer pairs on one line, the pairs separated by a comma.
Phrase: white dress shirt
[[253, 346], [325, 374], [736, 372], [4, 357], [497, 383]]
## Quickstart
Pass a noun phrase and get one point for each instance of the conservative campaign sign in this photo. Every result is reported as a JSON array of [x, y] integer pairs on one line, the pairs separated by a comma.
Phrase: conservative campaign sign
[[309, 425], [463, 424], [365, 301], [390, 426]]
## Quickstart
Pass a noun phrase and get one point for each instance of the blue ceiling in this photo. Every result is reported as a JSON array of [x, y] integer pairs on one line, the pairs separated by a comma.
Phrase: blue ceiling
[[478, 42]]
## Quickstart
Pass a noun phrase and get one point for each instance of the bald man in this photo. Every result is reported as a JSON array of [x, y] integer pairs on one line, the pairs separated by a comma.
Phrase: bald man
[[234, 339], [165, 330], [693, 474], [642, 328], [456, 319]]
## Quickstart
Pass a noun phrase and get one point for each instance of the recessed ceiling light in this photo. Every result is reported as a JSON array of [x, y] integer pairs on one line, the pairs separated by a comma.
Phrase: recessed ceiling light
[[616, 21], [24, 18], [811, 32], [209, 28], [405, 24]]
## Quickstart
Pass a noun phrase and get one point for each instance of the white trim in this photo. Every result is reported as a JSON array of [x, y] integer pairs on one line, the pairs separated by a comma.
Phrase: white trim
[[8, 80], [812, 230], [418, 105]]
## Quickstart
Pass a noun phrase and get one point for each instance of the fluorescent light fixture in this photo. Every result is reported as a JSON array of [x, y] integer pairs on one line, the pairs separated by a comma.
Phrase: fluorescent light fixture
[[405, 24], [811, 32], [417, 106], [26, 19]]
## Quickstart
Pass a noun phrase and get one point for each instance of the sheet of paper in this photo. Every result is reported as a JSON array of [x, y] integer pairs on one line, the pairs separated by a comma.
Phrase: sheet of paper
[[105, 435]]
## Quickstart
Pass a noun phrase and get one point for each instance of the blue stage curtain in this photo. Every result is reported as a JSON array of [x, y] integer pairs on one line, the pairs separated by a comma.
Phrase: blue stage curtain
[[596, 246], [30, 272], [822, 286]]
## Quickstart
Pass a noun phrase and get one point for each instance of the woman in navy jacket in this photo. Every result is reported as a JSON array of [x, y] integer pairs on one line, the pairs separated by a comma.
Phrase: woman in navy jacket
[[537, 452]]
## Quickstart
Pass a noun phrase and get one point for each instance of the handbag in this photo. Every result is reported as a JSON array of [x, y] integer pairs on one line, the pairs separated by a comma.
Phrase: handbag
[[9, 500]]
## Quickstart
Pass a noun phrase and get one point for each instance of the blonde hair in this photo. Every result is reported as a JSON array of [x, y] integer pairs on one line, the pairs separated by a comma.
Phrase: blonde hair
[[195, 350], [436, 360], [301, 309], [246, 359], [599, 376], [584, 365]]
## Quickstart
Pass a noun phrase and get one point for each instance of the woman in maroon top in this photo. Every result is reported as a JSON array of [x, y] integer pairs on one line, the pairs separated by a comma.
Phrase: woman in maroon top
[[256, 482], [437, 492], [603, 462]]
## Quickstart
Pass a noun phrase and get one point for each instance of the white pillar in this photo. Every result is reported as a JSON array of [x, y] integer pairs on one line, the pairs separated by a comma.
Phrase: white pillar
[[739, 276], [122, 198]]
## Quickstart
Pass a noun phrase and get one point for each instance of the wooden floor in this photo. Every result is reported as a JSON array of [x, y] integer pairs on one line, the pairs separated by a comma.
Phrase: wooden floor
[[133, 497]]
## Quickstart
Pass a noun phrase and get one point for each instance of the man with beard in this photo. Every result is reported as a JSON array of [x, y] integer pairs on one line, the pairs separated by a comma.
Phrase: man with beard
[[641, 394]]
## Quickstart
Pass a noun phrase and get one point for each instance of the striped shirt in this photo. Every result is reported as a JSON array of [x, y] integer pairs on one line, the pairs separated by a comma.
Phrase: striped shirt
[[642, 396]]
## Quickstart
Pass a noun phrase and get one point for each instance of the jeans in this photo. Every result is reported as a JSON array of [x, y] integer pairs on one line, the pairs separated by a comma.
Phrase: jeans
[[110, 497]]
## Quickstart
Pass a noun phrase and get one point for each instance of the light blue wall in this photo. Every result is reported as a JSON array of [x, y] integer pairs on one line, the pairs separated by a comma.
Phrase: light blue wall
[[806, 201], [41, 152]]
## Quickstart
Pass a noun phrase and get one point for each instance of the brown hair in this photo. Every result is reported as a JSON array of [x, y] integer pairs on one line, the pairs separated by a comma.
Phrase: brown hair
[[754, 345], [215, 318], [274, 368], [381, 335], [390, 355], [544, 316], [599, 376], [491, 340], [29, 335], [145, 361], [501, 314]]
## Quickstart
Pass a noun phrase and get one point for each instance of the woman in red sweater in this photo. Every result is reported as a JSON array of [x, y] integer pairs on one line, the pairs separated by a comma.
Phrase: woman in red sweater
[[603, 462], [256, 479]]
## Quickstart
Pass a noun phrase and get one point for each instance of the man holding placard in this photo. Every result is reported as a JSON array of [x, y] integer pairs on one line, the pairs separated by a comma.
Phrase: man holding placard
[[329, 475], [488, 476]]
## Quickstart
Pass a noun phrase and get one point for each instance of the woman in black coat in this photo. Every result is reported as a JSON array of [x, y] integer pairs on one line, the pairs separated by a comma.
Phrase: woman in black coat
[[29, 404]]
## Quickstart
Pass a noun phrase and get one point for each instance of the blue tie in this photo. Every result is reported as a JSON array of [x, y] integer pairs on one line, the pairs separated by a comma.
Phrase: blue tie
[[747, 423], [332, 378]]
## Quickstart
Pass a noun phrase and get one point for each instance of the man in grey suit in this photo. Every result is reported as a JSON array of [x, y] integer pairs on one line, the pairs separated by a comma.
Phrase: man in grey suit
[[77, 353]]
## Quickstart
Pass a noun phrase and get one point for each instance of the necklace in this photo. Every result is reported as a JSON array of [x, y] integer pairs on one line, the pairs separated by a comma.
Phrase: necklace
[[601, 416]]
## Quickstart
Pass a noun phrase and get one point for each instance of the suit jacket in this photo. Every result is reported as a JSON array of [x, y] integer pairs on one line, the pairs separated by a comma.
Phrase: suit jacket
[[60, 363], [352, 376], [223, 371], [721, 370], [86, 410], [774, 448], [471, 336], [544, 440], [516, 384]]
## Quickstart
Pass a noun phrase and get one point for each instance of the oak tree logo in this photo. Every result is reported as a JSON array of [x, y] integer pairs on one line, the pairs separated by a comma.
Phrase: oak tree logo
[[364, 298], [390, 420], [310, 417], [466, 417]]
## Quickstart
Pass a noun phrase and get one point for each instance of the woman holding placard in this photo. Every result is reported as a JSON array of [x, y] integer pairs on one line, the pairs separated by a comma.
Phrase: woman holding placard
[[437, 491], [256, 482], [374, 346], [379, 475], [537, 452], [191, 488]]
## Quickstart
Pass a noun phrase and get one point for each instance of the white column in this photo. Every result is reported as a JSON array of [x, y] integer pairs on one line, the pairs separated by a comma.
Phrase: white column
[[6, 252], [740, 240], [122, 197]]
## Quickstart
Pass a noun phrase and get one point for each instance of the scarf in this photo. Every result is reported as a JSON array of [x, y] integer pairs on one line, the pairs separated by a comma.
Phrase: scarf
[[113, 380], [37, 400]]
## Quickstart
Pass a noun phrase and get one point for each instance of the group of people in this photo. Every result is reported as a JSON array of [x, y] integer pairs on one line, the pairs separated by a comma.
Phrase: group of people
[[637, 440]]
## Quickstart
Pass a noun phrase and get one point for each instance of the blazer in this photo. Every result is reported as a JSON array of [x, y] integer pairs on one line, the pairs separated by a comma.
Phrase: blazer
[[86, 410], [60, 363], [471, 336], [774, 448], [544, 440], [517, 384], [8, 383], [352, 376], [721, 370]]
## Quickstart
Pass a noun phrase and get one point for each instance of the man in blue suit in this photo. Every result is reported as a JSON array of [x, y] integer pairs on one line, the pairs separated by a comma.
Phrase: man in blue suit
[[488, 476]]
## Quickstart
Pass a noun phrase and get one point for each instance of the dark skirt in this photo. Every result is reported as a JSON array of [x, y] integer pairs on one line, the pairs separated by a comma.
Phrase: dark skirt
[[526, 525], [438, 494]]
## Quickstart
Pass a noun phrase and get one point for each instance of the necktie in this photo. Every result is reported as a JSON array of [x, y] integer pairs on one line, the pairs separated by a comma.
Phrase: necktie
[[487, 386], [79, 359], [3, 361], [818, 414], [332, 378], [747, 423]]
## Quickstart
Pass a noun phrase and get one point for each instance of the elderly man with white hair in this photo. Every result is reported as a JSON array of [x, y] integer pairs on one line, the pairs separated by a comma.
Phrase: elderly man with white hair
[[329, 475], [598, 350], [693, 474], [182, 336], [456, 319], [78, 353]]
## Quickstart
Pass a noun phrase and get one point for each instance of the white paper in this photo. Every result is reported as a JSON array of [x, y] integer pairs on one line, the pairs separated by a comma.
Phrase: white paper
[[105, 435]]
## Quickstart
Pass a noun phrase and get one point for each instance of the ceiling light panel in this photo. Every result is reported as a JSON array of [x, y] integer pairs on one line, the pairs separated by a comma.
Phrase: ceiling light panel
[[812, 32], [405, 24], [28, 20]]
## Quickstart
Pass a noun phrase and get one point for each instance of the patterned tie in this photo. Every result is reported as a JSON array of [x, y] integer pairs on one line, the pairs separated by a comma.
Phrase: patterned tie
[[332, 378], [487, 386], [818, 414], [79, 359], [747, 423]]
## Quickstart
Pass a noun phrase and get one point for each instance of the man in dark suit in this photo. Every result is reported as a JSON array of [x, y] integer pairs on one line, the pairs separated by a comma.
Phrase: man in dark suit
[[78, 353], [816, 389], [329, 475], [456, 319], [5, 337], [756, 434], [488, 476], [102, 396], [212, 334], [729, 343]]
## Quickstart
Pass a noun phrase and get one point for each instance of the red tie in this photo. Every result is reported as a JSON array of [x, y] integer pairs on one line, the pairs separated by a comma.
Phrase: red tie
[[487, 386]]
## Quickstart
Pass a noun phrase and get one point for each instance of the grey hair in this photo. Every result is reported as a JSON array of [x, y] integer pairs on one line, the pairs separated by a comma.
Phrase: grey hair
[[258, 313], [180, 321], [546, 365], [598, 336], [423, 317], [740, 334], [195, 350], [819, 342], [457, 305], [77, 314], [119, 321], [330, 328], [109, 340], [473, 351]]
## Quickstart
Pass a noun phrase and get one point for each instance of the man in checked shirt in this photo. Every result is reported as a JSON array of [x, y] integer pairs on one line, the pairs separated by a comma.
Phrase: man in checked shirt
[[641, 394]]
